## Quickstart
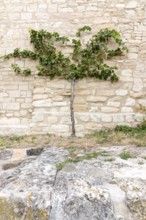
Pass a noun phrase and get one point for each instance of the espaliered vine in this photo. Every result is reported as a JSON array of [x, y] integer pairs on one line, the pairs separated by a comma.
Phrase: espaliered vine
[[84, 61]]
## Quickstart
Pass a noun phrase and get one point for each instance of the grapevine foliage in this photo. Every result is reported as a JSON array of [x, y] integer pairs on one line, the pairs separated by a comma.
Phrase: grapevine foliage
[[84, 61]]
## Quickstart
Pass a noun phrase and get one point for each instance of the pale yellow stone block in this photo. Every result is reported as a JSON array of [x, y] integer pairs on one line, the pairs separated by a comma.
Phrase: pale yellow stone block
[[52, 119], [109, 109], [96, 98], [57, 99], [136, 94], [23, 113], [105, 92], [106, 118], [93, 126], [79, 100], [26, 105], [121, 92], [9, 121], [118, 118], [126, 109], [11, 106], [80, 108], [130, 102], [131, 4], [40, 96], [113, 104], [60, 128]]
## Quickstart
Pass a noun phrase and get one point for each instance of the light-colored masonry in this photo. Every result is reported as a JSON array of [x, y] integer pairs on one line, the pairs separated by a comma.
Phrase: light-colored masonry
[[36, 105]]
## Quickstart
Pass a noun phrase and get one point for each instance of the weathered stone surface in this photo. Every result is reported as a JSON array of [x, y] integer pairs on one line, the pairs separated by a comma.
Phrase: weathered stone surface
[[121, 92], [109, 109], [25, 189], [127, 72], [91, 189], [96, 98], [60, 128], [106, 118], [130, 102], [127, 109], [136, 94], [118, 118], [131, 4], [5, 154], [113, 104]]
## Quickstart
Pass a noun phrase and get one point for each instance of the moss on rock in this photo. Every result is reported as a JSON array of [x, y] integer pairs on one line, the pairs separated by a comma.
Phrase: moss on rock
[[12, 210]]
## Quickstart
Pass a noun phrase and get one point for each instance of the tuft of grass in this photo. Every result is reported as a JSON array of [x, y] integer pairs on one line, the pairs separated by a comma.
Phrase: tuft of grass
[[122, 134], [72, 150], [123, 128], [139, 142], [1, 144], [33, 137], [49, 135], [60, 166], [88, 156], [137, 131], [111, 159], [16, 138], [125, 155], [102, 136]]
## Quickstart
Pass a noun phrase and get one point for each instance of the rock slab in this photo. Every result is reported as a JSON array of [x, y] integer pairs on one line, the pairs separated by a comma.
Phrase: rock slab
[[91, 189]]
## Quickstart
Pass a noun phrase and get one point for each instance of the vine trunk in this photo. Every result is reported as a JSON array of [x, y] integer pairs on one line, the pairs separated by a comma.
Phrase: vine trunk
[[73, 134]]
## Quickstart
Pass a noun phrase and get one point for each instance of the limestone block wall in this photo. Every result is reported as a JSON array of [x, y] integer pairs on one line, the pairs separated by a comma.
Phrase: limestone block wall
[[32, 104]]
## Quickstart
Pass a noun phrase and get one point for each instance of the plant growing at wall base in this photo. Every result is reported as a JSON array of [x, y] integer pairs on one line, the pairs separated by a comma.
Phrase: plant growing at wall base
[[87, 60]]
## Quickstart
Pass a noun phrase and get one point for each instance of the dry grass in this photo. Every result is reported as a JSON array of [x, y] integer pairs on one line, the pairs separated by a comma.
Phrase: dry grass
[[122, 136], [46, 140]]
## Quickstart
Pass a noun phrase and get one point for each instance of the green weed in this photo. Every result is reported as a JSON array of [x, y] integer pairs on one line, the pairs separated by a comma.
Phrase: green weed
[[88, 156], [1, 144], [72, 150], [125, 155], [109, 159], [49, 135], [137, 131], [123, 128], [16, 138], [121, 134]]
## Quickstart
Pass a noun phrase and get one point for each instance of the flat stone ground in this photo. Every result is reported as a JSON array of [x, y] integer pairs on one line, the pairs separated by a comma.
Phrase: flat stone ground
[[137, 160], [123, 178]]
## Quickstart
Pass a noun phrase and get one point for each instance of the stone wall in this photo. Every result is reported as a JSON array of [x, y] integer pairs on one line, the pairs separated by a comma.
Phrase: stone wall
[[31, 105]]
